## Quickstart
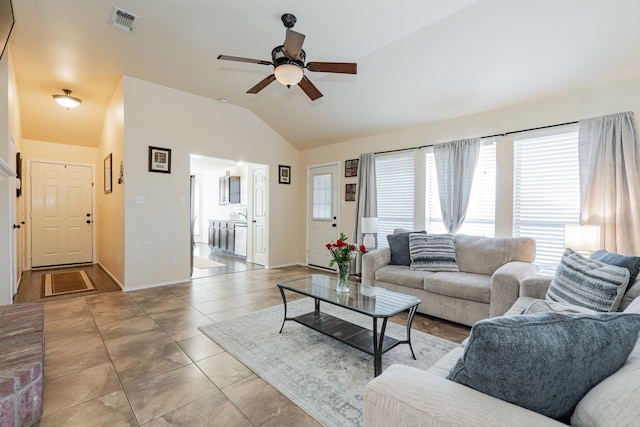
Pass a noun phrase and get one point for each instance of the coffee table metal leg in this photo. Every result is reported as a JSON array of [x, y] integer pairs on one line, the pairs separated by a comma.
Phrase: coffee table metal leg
[[378, 343], [412, 313], [284, 301]]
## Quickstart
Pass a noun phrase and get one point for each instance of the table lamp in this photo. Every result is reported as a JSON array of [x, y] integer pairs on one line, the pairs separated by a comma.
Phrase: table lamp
[[369, 228], [584, 239]]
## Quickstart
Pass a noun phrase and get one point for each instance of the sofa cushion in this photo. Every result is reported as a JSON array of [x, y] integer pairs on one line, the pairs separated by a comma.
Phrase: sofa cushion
[[484, 255], [542, 306], [399, 245], [545, 362], [633, 292], [587, 283], [466, 286], [631, 263], [433, 252], [401, 275], [613, 402]]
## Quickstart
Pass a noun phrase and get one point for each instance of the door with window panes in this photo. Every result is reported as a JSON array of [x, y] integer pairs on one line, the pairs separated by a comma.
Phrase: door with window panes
[[322, 226]]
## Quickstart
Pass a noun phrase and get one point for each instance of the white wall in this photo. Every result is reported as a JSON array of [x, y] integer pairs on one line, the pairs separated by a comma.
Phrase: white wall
[[618, 96], [188, 124]]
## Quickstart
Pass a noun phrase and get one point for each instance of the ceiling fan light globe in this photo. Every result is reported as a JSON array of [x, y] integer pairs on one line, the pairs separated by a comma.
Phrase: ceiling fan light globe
[[288, 74]]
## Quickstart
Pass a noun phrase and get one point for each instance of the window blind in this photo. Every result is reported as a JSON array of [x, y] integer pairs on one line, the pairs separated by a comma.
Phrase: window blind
[[546, 191], [395, 191]]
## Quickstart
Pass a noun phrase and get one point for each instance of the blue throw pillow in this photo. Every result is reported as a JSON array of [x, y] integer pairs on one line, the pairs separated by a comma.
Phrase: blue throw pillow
[[399, 245], [545, 362], [587, 283], [631, 263]]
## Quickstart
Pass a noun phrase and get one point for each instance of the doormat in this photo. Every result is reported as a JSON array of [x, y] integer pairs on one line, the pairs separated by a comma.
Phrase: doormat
[[65, 283], [199, 262]]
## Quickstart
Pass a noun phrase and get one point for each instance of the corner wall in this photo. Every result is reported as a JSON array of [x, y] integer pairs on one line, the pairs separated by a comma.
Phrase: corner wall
[[158, 229]]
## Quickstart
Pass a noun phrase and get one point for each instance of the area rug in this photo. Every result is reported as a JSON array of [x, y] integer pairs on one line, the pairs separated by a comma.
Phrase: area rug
[[324, 377], [199, 262], [65, 283]]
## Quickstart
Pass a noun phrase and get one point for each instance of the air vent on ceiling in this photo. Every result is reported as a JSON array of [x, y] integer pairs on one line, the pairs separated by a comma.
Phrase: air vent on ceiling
[[123, 20]]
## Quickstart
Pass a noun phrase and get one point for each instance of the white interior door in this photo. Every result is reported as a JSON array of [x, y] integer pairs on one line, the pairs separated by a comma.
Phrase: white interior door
[[61, 214], [322, 225], [259, 220]]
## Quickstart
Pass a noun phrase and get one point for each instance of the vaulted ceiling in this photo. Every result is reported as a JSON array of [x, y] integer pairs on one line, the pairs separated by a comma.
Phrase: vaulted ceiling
[[418, 60]]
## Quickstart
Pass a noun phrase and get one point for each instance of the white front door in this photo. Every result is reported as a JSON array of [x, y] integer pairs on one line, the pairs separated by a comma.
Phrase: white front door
[[322, 225], [259, 218], [61, 214]]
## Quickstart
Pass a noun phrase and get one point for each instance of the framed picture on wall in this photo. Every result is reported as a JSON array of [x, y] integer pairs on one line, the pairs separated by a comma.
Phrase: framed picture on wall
[[351, 168], [108, 174], [350, 192], [284, 174], [159, 159]]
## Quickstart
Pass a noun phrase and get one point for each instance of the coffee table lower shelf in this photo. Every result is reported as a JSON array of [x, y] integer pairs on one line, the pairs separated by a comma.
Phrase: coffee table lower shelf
[[346, 332]]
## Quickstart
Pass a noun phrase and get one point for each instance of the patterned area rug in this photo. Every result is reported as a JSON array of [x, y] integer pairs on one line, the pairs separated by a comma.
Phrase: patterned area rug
[[65, 283], [324, 377]]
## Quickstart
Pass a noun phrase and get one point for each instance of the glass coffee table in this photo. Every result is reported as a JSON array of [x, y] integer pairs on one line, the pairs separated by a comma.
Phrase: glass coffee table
[[377, 303]]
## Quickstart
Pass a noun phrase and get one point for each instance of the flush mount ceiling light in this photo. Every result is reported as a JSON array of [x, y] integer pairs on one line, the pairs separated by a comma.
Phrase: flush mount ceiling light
[[67, 101]]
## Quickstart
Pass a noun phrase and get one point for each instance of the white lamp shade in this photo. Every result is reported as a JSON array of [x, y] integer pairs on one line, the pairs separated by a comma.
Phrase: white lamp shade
[[584, 238], [288, 74], [67, 101], [369, 225]]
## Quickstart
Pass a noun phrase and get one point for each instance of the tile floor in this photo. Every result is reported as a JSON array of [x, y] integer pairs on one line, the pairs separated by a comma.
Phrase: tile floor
[[138, 359]]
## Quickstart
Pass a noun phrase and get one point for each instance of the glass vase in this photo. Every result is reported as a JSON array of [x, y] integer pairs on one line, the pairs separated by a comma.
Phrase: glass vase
[[343, 277]]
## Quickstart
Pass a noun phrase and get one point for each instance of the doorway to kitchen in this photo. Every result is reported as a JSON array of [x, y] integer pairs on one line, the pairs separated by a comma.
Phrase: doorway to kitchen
[[221, 210]]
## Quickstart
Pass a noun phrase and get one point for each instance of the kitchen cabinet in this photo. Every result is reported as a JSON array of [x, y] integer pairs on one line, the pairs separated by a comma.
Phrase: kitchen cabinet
[[229, 190], [229, 236]]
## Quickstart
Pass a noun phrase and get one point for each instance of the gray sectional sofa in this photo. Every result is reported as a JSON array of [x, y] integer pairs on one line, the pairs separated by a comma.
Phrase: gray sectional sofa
[[406, 396], [487, 284]]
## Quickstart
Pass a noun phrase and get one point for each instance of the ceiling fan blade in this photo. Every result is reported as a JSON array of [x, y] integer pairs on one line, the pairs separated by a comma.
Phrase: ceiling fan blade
[[293, 44], [309, 88], [333, 67], [262, 84], [239, 59]]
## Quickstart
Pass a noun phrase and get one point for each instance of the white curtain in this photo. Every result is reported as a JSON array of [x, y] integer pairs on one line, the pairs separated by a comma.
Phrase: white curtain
[[455, 164], [610, 180], [366, 200]]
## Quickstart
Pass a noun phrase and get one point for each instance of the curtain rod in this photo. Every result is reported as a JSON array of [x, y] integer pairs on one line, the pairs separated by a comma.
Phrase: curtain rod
[[483, 137]]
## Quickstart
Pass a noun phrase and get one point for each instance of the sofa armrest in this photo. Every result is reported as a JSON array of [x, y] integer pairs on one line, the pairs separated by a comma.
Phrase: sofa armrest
[[535, 286], [505, 285], [373, 260], [406, 396]]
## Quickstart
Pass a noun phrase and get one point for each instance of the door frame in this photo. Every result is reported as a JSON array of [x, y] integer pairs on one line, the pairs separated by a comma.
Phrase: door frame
[[308, 203], [28, 203]]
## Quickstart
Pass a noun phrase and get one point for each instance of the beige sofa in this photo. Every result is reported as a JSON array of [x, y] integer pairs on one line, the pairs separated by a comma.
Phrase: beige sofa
[[486, 285], [406, 396]]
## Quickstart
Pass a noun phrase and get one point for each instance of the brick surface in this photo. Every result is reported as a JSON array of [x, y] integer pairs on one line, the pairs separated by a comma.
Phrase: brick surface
[[6, 387]]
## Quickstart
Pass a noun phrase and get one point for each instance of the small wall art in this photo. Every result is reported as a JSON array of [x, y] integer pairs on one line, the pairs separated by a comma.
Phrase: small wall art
[[351, 168], [284, 174], [350, 192], [108, 174], [159, 159]]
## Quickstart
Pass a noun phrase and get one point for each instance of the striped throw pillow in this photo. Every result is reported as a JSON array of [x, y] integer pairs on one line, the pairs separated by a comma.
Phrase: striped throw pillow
[[433, 252], [587, 283]]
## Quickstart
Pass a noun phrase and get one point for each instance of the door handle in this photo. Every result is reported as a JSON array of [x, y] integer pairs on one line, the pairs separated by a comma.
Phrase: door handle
[[88, 221], [16, 226], [333, 225]]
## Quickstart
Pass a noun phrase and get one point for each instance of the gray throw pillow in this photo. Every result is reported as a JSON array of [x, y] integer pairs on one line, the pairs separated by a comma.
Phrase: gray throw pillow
[[399, 245], [545, 362], [587, 283], [433, 252], [631, 263]]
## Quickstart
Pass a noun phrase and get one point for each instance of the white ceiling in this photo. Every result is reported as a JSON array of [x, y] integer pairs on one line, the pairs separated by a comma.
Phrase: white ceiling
[[418, 60]]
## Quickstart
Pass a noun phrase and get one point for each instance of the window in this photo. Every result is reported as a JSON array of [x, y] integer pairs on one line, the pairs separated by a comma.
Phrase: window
[[480, 217], [395, 191], [322, 197], [546, 189]]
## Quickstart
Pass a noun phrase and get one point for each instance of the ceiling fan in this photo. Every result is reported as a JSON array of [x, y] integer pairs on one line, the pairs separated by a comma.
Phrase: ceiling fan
[[288, 61]]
